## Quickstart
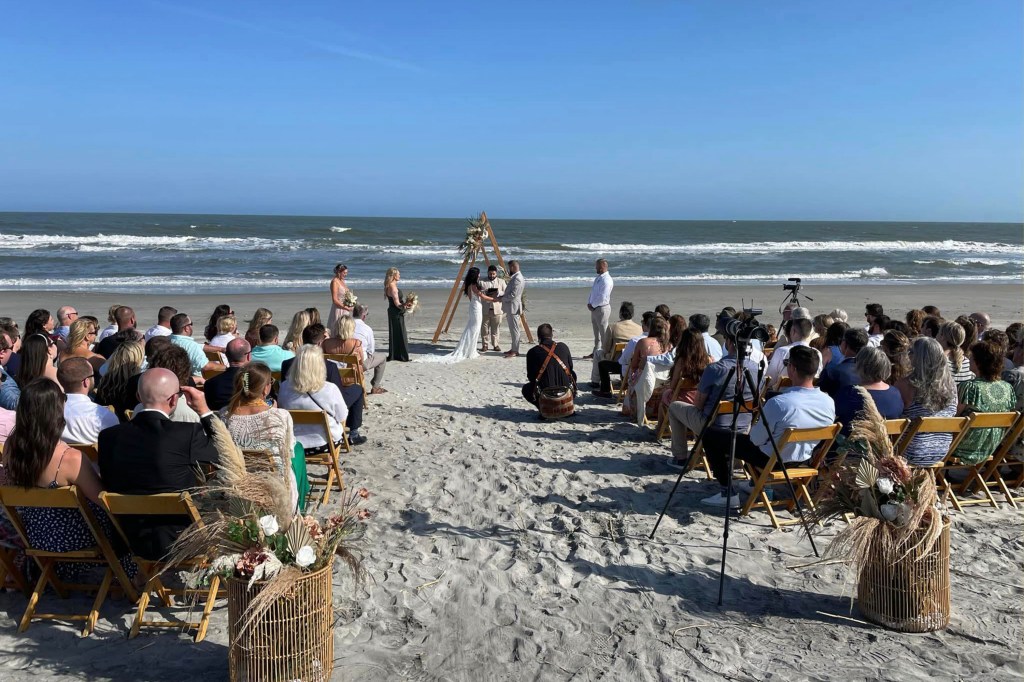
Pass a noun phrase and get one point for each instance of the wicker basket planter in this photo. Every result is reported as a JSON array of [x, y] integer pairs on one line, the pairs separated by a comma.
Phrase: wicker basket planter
[[911, 595], [295, 639]]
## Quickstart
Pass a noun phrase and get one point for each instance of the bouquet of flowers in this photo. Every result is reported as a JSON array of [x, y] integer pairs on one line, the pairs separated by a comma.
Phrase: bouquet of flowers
[[895, 509], [350, 299], [412, 303], [475, 232]]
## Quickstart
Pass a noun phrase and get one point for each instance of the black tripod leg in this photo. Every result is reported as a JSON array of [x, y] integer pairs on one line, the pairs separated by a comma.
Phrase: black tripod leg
[[728, 497], [778, 458]]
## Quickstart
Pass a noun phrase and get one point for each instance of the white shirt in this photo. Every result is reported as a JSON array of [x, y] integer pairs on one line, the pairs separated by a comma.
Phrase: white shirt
[[713, 347], [777, 364], [364, 333], [107, 331], [222, 340], [85, 419], [875, 340], [157, 330], [601, 292], [627, 352]]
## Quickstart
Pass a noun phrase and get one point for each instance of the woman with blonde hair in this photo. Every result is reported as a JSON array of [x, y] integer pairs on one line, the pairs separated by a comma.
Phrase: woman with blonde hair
[[306, 388], [80, 336], [344, 342], [339, 289], [928, 391], [111, 328], [820, 324], [227, 331], [255, 423], [293, 339], [398, 338], [115, 387], [261, 317], [951, 337]]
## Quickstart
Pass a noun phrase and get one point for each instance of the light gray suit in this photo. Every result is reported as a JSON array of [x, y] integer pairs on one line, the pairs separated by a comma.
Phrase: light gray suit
[[512, 306]]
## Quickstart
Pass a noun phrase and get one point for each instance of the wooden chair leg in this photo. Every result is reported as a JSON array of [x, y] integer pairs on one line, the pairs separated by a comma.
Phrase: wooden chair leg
[[33, 599], [766, 501], [101, 595], [9, 569], [211, 599], [140, 611]]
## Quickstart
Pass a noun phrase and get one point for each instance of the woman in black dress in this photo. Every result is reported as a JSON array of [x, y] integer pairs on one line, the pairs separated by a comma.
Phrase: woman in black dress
[[398, 338]]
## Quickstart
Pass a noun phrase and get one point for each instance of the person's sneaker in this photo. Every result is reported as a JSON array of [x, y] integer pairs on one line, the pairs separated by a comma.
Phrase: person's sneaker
[[595, 384], [676, 463], [720, 500], [357, 439], [747, 488]]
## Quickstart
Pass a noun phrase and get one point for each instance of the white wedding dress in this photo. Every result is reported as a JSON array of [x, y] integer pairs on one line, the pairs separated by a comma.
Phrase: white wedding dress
[[470, 339]]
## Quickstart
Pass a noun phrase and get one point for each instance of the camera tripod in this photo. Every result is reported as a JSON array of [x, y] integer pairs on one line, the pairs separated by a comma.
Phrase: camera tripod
[[793, 297], [742, 378]]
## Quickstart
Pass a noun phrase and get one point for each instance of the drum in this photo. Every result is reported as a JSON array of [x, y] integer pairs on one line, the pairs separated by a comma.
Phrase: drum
[[555, 402]]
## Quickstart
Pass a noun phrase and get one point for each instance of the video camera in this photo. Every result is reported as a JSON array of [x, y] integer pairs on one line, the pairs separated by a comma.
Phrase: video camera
[[792, 287], [744, 331]]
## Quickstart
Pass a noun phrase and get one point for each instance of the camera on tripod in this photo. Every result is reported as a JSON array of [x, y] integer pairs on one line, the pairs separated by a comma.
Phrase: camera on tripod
[[744, 331], [792, 287]]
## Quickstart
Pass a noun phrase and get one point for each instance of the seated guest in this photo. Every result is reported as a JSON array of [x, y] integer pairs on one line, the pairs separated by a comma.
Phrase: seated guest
[[40, 321], [219, 389], [928, 391], [344, 341], [797, 313], [915, 318], [83, 419], [261, 317], [932, 310], [35, 457], [181, 336], [115, 387], [255, 424], [839, 315], [293, 339], [970, 333], [871, 311], [896, 347], [37, 355], [723, 317], [306, 388], [700, 323], [844, 373], [211, 330], [798, 329], [7, 420], [6, 353], [125, 318], [151, 454], [712, 387], [66, 314], [873, 367], [175, 360], [227, 330], [152, 347], [353, 394], [951, 337], [664, 311], [987, 392], [1002, 341], [624, 331], [801, 406], [876, 330], [268, 352], [543, 373], [163, 323], [80, 336], [831, 354], [111, 328], [374, 360], [930, 326], [981, 323], [691, 360], [10, 329], [656, 343], [621, 366], [821, 323]]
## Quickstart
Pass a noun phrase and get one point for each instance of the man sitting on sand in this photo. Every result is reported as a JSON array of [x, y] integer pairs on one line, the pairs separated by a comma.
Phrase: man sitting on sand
[[548, 365], [163, 323], [269, 352]]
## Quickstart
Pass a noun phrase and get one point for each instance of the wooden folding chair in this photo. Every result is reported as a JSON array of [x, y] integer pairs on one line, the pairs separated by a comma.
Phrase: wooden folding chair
[[616, 354], [101, 554], [211, 373], [664, 429], [163, 504], [993, 476], [724, 407], [329, 459], [955, 426], [11, 576], [214, 356], [90, 450], [980, 420], [350, 361], [799, 474]]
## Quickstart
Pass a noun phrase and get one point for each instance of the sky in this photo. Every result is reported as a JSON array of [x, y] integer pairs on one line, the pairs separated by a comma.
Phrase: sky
[[868, 110]]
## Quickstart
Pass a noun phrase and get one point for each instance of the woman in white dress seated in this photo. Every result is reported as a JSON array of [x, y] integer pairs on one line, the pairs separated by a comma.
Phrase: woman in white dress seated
[[470, 339], [256, 424], [306, 388]]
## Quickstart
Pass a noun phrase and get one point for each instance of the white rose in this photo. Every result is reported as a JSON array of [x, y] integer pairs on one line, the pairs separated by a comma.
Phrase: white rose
[[884, 485], [889, 511], [268, 524], [305, 556]]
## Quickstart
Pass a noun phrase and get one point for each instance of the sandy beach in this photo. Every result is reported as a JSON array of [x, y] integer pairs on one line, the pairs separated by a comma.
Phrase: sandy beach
[[507, 548]]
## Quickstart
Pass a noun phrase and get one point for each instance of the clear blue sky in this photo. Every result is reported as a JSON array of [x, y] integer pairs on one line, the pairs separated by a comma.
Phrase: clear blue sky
[[868, 110]]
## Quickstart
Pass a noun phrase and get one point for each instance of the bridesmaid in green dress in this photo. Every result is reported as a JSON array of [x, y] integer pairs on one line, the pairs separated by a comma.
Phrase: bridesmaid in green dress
[[398, 338]]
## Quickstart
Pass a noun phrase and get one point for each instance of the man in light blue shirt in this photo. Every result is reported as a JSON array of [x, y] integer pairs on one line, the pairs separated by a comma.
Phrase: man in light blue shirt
[[268, 352], [181, 336], [800, 406]]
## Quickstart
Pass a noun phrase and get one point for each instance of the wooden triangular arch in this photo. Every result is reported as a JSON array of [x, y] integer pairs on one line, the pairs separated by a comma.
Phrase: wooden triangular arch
[[477, 249]]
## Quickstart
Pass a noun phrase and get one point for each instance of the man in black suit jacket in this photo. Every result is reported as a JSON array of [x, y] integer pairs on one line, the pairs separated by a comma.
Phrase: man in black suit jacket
[[151, 454], [219, 389], [353, 395], [557, 372]]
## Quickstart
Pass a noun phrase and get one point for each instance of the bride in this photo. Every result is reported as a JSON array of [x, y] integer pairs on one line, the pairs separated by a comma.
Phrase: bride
[[466, 350]]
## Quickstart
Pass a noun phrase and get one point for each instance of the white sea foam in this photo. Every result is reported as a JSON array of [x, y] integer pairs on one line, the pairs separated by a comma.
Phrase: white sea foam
[[130, 241], [336, 228], [968, 261], [945, 246]]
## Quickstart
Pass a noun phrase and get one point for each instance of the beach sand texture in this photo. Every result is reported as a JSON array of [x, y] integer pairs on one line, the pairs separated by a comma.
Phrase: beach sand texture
[[508, 548]]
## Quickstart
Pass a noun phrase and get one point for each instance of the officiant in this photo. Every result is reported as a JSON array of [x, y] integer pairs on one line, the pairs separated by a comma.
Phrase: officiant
[[490, 327]]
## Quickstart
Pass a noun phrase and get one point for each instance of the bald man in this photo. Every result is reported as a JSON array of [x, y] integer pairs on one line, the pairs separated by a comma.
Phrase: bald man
[[219, 389], [151, 454], [981, 322]]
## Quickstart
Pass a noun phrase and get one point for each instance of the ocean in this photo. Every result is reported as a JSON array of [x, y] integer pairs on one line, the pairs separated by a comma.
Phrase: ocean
[[147, 253]]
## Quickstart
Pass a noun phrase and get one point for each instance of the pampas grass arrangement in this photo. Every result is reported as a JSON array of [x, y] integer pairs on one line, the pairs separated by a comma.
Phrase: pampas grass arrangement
[[476, 230]]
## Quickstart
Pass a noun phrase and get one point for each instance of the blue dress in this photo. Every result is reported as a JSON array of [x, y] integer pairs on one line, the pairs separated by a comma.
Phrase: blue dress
[[849, 403]]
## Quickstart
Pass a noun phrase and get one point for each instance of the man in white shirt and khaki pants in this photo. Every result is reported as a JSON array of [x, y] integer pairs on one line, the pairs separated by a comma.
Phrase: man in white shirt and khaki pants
[[599, 306]]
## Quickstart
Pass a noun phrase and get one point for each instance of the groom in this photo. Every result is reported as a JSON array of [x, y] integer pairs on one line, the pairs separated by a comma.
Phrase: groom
[[512, 306]]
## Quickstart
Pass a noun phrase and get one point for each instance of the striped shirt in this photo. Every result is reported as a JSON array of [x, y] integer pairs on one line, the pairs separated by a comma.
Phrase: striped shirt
[[962, 374], [928, 448]]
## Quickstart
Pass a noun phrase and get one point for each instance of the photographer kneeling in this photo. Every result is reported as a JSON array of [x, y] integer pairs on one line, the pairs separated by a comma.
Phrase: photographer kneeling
[[799, 406]]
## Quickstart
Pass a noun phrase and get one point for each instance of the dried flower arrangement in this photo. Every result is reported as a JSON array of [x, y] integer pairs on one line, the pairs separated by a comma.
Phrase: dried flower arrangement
[[412, 303], [476, 230]]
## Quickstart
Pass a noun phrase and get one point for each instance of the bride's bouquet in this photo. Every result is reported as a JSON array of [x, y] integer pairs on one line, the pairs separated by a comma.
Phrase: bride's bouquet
[[412, 303], [350, 299]]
